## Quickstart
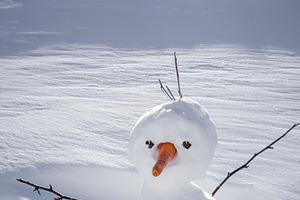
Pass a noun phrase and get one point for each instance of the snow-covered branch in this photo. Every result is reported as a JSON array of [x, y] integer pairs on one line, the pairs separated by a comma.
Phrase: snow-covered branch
[[50, 189], [246, 165]]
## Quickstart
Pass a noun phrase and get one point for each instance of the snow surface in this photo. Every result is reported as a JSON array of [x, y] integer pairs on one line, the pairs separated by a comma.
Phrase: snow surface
[[69, 104], [75, 76], [154, 23]]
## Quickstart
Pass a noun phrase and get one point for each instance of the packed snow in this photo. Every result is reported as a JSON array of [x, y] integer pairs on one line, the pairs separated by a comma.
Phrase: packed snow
[[178, 122], [175, 122], [76, 76]]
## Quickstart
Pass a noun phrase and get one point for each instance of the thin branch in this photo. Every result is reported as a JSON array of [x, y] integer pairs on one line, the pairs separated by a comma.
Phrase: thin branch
[[246, 165], [50, 189], [164, 90], [178, 82], [170, 92]]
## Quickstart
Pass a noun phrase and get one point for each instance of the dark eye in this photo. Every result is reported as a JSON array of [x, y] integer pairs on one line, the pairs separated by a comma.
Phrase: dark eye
[[186, 144], [149, 143]]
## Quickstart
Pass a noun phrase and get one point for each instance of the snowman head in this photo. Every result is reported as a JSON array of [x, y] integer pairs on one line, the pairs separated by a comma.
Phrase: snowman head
[[173, 141]]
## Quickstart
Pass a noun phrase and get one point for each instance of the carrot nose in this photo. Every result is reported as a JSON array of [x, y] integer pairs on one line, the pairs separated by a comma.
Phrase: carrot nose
[[167, 152]]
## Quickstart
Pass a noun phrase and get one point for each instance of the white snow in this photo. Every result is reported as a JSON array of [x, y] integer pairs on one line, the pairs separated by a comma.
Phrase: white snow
[[175, 122], [75, 76], [77, 104]]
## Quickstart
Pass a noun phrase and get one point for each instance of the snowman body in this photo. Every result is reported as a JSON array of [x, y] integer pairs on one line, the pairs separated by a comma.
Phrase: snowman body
[[181, 191]]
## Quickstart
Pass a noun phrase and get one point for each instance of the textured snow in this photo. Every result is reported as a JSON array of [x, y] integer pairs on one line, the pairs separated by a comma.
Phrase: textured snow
[[74, 104], [75, 76]]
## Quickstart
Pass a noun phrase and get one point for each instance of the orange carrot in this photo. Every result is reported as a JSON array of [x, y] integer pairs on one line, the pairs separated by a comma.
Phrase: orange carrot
[[166, 153]]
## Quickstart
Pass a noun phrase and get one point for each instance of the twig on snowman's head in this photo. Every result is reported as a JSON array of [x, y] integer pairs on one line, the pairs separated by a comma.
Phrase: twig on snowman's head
[[170, 93], [246, 165], [178, 82], [50, 189], [165, 91]]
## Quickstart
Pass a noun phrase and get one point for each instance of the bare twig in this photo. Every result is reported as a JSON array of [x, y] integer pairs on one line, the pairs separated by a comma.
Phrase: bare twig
[[164, 90], [246, 165], [170, 92], [179, 90], [50, 189]]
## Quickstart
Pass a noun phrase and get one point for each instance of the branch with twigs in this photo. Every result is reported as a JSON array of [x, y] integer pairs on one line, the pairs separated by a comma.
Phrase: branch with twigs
[[50, 189], [168, 92], [246, 165]]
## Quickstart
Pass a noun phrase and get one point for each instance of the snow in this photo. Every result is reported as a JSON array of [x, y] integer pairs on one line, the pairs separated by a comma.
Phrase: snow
[[175, 122], [76, 76], [154, 23], [76, 105]]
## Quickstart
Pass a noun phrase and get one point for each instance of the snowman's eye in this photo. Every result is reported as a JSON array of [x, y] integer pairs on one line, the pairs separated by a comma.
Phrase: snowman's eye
[[149, 143], [186, 144]]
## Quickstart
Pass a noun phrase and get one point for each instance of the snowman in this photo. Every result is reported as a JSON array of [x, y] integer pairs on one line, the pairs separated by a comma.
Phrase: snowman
[[173, 144]]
